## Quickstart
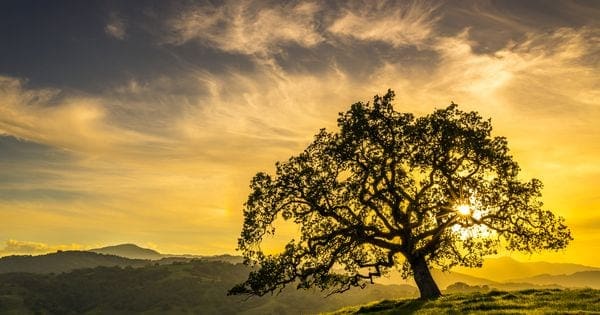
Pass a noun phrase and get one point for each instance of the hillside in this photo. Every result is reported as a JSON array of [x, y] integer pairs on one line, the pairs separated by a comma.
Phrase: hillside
[[131, 251], [583, 301], [182, 288]]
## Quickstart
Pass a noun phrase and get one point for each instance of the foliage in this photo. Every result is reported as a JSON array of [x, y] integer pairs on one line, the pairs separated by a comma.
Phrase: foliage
[[389, 189]]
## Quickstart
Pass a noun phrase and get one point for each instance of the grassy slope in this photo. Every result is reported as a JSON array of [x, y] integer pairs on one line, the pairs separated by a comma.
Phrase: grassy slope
[[550, 301]]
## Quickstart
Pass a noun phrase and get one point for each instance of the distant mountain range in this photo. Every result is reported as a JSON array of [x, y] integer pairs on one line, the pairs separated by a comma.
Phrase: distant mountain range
[[500, 273], [518, 275], [582, 279], [135, 252], [505, 269], [121, 255], [64, 261]]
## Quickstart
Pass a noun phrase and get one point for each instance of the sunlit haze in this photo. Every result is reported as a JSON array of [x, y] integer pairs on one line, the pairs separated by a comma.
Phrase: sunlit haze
[[464, 210], [143, 122]]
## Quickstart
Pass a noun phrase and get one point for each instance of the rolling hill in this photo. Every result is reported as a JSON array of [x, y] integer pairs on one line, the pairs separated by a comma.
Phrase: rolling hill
[[131, 251]]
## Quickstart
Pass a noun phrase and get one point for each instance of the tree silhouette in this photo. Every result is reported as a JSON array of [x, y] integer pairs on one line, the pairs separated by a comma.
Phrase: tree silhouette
[[388, 190]]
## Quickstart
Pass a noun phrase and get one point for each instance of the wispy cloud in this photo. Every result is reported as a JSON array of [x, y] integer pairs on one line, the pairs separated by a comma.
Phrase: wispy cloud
[[248, 27], [398, 24], [73, 122], [534, 63], [116, 27]]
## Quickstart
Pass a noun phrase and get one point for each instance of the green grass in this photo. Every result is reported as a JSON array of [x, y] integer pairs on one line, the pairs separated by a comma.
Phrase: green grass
[[550, 301]]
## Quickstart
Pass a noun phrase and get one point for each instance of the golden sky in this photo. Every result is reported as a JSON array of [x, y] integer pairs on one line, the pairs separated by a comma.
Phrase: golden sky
[[144, 122]]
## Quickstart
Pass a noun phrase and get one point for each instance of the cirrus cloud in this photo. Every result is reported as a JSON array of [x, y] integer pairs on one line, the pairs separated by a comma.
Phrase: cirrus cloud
[[247, 27], [399, 24], [77, 123], [115, 27]]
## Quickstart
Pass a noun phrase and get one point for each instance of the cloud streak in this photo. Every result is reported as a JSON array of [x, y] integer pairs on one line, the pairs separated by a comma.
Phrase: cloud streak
[[73, 122], [115, 27], [398, 24], [247, 27]]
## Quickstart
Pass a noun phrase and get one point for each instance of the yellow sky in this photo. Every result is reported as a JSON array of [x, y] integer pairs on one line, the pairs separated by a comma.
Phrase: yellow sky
[[141, 162]]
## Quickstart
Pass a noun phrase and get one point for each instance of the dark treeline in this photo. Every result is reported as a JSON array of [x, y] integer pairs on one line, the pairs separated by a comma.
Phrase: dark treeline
[[195, 286]]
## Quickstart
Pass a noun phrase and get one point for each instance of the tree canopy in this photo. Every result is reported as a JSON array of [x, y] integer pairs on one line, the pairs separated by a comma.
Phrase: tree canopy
[[390, 190]]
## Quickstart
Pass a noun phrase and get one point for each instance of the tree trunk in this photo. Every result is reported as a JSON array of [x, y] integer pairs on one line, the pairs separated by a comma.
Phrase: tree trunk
[[427, 286]]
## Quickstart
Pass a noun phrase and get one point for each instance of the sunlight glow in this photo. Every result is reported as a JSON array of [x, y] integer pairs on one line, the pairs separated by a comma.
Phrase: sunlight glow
[[464, 210]]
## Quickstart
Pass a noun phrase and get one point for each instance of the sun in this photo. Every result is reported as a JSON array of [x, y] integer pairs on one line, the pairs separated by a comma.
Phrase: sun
[[464, 210]]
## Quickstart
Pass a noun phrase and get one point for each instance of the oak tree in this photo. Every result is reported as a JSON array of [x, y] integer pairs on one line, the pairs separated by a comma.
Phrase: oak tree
[[389, 190]]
